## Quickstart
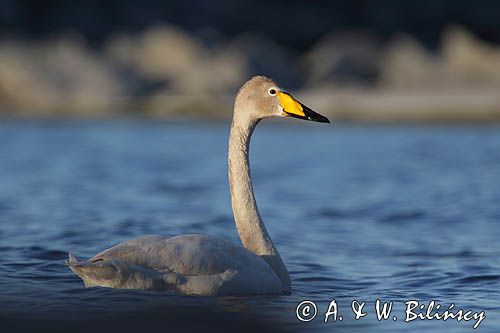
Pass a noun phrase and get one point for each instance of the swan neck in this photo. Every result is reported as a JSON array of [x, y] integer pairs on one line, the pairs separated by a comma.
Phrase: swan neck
[[251, 229]]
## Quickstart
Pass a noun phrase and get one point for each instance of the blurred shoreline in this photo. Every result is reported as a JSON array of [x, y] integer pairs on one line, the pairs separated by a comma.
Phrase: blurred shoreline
[[167, 73]]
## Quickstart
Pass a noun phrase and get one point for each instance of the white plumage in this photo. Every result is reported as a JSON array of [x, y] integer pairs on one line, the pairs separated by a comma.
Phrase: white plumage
[[186, 264], [206, 265]]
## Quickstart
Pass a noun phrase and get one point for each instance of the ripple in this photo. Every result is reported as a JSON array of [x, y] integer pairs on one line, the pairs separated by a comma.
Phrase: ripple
[[424, 253], [333, 213], [170, 188], [5, 248], [36, 252], [479, 278], [314, 279], [403, 216]]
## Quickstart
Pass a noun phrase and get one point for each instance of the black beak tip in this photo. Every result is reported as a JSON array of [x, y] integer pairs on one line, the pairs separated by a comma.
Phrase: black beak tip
[[324, 120], [318, 118], [314, 116]]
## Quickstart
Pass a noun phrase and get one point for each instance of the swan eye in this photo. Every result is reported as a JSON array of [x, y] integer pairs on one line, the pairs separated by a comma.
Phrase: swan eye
[[272, 92]]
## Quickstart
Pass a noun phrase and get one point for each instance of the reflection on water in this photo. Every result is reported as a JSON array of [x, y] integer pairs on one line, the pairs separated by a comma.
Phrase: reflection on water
[[366, 213]]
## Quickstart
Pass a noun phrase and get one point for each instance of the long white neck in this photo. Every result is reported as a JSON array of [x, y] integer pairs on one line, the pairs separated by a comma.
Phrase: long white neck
[[253, 233]]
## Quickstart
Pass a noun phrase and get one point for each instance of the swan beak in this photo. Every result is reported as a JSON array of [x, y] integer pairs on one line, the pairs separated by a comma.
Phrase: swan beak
[[293, 108]]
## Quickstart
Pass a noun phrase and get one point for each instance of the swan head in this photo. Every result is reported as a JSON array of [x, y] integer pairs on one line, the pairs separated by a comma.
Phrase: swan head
[[261, 97]]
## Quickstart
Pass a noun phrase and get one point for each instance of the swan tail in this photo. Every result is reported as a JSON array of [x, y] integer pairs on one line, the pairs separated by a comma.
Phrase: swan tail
[[121, 274], [102, 274], [71, 259]]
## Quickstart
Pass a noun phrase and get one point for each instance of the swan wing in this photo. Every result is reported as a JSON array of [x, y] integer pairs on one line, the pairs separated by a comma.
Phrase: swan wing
[[191, 254], [186, 264]]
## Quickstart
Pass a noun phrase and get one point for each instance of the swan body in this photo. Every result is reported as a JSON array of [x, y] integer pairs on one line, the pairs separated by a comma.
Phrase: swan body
[[196, 264], [185, 264]]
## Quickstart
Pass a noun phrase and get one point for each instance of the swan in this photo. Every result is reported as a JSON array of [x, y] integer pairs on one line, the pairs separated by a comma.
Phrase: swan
[[204, 265]]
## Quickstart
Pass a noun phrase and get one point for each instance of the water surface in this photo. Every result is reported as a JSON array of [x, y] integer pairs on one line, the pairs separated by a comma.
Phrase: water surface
[[357, 213]]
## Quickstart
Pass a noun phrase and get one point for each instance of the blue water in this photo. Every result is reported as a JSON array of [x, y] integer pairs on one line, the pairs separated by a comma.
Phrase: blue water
[[358, 213]]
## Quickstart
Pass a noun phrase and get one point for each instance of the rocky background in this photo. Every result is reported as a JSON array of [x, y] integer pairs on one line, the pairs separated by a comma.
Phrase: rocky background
[[382, 61]]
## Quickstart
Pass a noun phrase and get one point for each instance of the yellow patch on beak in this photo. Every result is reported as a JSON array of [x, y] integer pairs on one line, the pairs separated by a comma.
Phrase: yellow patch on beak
[[290, 105]]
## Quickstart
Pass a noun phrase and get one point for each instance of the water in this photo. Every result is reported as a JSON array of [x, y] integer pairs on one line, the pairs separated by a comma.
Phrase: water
[[358, 213]]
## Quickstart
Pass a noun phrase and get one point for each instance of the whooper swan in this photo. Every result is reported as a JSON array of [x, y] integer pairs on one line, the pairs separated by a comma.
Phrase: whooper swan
[[196, 264]]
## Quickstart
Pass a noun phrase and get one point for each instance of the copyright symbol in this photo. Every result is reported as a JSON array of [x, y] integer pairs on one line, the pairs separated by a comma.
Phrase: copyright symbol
[[306, 311]]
